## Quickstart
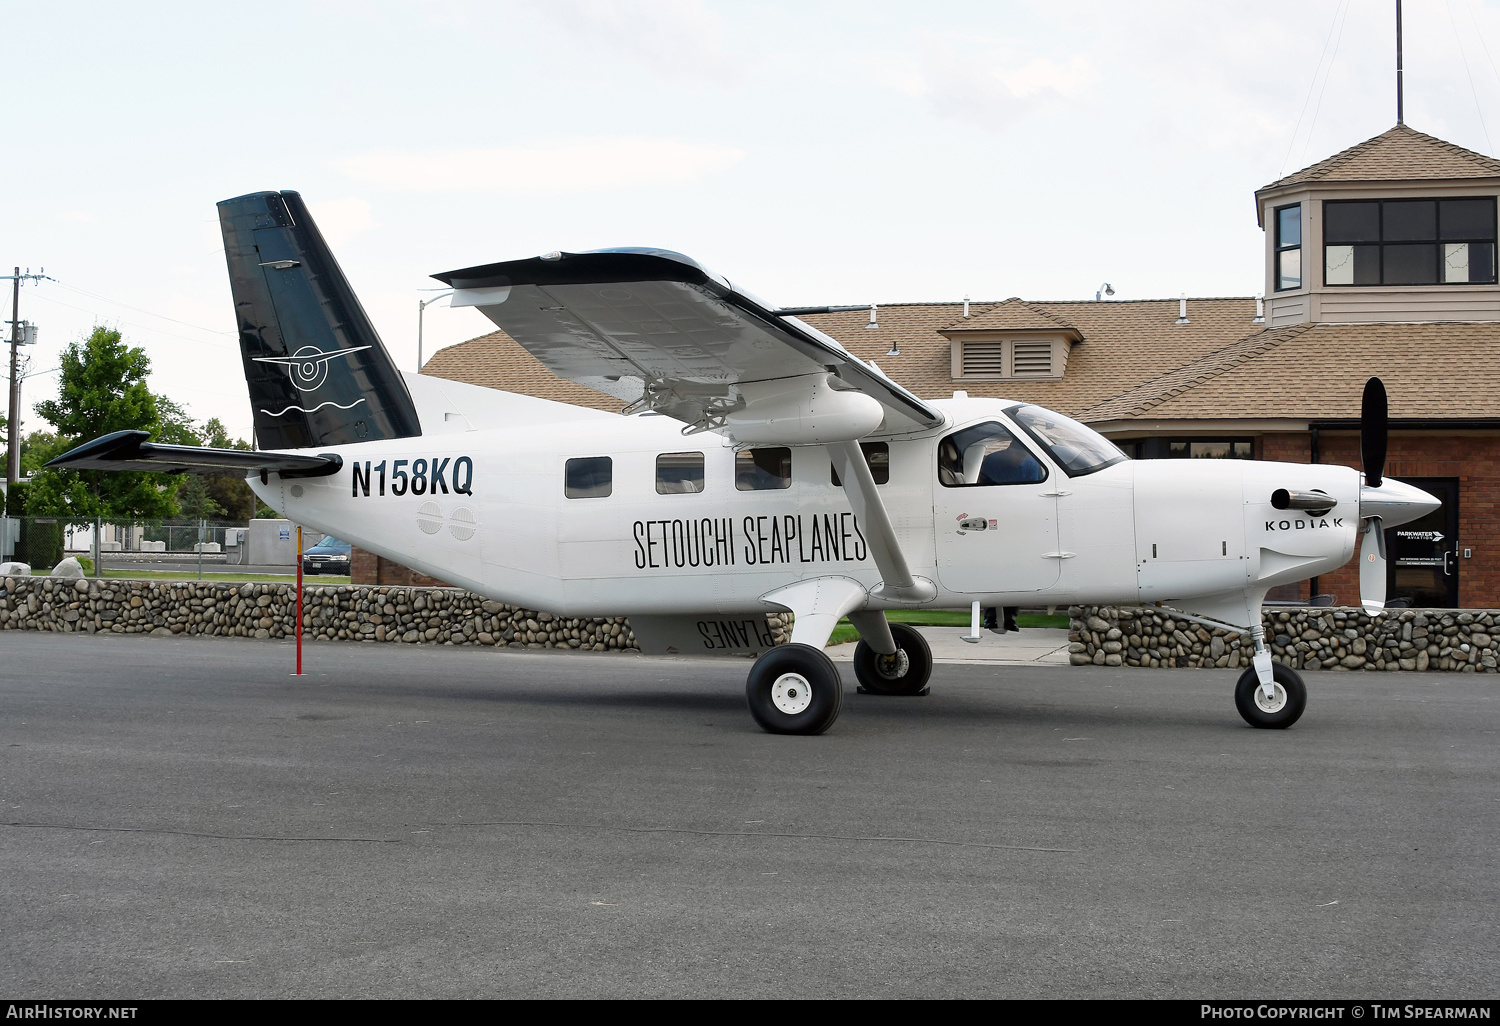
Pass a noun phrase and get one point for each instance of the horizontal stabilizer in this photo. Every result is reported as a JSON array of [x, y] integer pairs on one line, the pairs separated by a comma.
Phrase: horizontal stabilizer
[[132, 450]]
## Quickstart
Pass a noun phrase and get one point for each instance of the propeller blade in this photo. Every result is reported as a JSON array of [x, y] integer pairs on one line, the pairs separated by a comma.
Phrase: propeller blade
[[1374, 426], [1372, 567]]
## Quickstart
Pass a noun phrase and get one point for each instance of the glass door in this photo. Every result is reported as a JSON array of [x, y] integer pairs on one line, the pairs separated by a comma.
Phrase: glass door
[[1422, 556]]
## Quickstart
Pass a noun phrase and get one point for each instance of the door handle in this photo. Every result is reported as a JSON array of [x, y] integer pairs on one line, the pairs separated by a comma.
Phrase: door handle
[[1449, 559]]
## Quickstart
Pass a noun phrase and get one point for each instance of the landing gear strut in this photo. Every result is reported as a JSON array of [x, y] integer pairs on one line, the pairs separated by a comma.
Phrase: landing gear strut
[[905, 672]]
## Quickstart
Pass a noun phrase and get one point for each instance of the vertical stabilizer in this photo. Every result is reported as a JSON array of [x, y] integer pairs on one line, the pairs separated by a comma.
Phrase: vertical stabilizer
[[318, 373]]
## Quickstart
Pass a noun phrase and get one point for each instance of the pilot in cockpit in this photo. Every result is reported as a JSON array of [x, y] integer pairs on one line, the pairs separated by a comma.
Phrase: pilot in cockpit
[[1011, 465]]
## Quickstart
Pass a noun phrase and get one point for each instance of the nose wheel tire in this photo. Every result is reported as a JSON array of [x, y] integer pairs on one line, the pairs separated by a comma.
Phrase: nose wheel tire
[[904, 673], [1280, 709], [794, 689]]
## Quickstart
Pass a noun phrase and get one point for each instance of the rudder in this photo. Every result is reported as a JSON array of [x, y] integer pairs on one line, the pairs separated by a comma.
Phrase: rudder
[[317, 371]]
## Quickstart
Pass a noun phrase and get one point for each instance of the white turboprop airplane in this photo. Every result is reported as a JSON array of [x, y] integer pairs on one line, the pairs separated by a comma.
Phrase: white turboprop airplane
[[757, 466]]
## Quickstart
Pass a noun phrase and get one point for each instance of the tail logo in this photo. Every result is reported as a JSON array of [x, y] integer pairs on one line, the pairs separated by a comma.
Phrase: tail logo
[[308, 366]]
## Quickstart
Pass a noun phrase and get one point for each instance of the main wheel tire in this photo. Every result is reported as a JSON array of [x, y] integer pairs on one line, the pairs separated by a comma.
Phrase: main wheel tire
[[794, 689], [1279, 712], [904, 673]]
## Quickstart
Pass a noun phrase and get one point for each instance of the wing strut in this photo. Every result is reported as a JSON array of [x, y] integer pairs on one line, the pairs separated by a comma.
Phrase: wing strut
[[897, 583]]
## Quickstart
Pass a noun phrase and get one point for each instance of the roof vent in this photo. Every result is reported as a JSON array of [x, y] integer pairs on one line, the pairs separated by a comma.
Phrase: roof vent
[[1260, 310], [874, 321], [966, 306], [1182, 317]]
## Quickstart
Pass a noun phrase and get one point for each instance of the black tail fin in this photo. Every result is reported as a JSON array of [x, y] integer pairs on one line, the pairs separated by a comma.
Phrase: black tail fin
[[317, 372]]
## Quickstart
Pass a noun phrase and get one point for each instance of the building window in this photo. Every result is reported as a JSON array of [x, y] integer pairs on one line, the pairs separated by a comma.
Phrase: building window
[[877, 458], [757, 470], [1409, 242], [1289, 247], [679, 472], [1191, 448], [591, 477]]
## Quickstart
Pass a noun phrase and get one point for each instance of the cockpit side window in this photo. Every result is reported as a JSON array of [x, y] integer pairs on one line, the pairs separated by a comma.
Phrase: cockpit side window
[[1079, 450], [986, 454]]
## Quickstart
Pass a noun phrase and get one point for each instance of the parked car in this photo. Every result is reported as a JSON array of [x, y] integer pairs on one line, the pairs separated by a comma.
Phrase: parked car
[[329, 556]]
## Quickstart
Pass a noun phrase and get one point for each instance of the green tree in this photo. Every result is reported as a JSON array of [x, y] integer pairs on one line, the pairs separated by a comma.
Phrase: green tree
[[175, 424], [101, 389], [228, 490], [195, 501], [37, 447]]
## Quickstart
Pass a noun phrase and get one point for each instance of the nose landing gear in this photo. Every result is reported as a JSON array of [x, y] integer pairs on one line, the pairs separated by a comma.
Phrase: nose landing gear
[[1277, 710]]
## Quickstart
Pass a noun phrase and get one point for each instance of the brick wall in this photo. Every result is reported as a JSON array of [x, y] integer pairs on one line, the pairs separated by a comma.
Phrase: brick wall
[[367, 568], [1471, 458]]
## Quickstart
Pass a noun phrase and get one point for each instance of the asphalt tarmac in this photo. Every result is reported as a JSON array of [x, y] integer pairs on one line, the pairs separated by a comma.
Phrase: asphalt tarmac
[[179, 817]]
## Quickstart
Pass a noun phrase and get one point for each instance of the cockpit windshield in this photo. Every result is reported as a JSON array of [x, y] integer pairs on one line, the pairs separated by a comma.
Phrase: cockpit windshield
[[1077, 449]]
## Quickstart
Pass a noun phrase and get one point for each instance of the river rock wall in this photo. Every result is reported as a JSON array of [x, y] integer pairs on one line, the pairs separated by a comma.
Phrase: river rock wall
[[1327, 638], [368, 613]]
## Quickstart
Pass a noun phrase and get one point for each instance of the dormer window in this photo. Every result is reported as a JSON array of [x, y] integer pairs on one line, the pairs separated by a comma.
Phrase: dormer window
[[1289, 247], [1409, 242]]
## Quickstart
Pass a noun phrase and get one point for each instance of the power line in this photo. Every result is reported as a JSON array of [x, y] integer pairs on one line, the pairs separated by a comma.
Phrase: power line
[[1318, 107], [216, 343], [137, 309], [1464, 54], [1291, 144], [1482, 43]]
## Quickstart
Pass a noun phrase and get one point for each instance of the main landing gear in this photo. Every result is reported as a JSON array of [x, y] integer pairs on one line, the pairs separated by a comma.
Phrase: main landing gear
[[1278, 710], [905, 672], [795, 689]]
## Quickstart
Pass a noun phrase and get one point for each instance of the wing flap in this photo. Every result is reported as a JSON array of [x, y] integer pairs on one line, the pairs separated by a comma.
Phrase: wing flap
[[132, 450]]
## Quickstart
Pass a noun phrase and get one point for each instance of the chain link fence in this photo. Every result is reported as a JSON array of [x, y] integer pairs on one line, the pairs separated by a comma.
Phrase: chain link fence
[[178, 546]]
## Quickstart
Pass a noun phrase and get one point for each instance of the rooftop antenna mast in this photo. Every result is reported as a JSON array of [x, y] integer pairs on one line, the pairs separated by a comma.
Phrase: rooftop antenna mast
[[1400, 114]]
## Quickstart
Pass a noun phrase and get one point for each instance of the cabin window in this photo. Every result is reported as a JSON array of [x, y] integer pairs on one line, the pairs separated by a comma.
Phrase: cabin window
[[1289, 247], [678, 473], [877, 458], [588, 477], [986, 454], [757, 470], [1409, 242]]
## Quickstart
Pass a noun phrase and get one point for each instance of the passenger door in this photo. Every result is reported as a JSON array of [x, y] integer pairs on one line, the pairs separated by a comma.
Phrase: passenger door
[[994, 514]]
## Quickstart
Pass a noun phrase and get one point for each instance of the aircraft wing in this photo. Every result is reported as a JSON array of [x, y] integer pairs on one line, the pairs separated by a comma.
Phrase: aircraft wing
[[655, 329], [132, 450]]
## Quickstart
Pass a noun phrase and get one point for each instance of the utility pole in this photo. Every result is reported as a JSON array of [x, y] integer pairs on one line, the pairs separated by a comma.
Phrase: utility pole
[[13, 433]]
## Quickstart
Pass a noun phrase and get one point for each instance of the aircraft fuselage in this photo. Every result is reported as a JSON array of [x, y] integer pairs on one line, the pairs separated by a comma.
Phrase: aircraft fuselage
[[485, 509]]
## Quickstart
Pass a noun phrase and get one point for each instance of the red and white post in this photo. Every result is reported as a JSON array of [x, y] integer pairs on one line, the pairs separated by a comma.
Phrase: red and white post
[[299, 600]]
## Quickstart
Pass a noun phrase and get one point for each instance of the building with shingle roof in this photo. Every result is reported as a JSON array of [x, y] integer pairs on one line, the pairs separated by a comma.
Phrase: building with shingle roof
[[1379, 260]]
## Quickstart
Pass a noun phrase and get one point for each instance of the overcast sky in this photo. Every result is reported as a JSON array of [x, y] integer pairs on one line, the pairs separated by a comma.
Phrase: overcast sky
[[810, 152]]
